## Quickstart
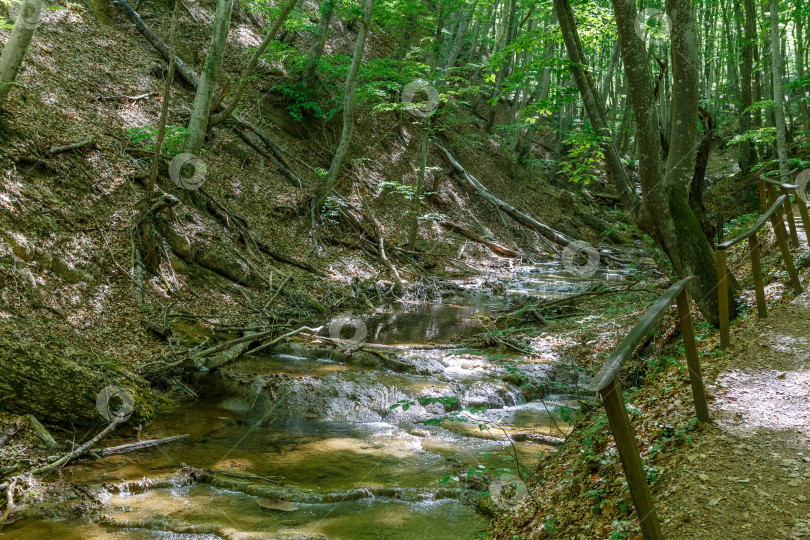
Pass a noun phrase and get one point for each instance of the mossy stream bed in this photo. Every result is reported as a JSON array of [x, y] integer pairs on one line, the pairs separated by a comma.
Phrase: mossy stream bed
[[352, 466]]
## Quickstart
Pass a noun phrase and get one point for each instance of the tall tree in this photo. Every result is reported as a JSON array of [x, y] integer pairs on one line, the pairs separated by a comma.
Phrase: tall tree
[[198, 124], [325, 10], [348, 113], [778, 96], [251, 65]]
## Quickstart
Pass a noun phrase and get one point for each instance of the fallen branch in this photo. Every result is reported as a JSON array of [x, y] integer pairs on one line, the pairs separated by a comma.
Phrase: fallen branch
[[527, 221], [276, 340], [129, 98], [140, 445], [76, 453], [538, 438], [500, 250]]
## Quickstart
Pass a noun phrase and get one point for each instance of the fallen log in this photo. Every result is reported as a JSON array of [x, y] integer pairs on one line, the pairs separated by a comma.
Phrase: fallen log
[[497, 248], [527, 221], [140, 445]]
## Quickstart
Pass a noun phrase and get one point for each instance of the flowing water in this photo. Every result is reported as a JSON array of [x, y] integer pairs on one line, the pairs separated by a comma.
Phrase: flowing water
[[355, 467]]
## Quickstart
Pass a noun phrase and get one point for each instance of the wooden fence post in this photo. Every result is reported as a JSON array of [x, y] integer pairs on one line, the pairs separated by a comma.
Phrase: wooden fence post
[[756, 268], [722, 298], [625, 439], [692, 358], [779, 230], [794, 238]]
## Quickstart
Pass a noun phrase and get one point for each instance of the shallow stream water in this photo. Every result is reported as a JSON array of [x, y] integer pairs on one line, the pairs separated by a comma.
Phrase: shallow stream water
[[326, 426]]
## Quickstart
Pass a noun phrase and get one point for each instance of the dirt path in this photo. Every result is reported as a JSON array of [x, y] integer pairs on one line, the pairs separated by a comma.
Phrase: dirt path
[[748, 474]]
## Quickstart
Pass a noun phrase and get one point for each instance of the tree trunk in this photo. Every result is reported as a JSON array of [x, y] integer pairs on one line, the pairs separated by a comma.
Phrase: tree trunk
[[778, 95], [251, 65], [348, 113], [503, 71], [420, 182], [591, 102], [802, 90], [198, 124], [17, 45], [326, 9], [665, 214], [747, 155]]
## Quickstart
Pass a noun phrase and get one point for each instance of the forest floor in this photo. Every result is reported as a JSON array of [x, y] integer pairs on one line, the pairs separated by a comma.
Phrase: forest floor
[[747, 474]]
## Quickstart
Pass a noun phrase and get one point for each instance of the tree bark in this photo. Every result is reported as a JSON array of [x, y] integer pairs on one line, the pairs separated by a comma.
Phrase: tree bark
[[800, 53], [251, 65], [665, 212], [17, 45], [592, 103], [198, 124]]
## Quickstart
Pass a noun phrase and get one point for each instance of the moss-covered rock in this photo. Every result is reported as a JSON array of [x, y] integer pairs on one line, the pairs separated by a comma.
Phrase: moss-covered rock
[[60, 383]]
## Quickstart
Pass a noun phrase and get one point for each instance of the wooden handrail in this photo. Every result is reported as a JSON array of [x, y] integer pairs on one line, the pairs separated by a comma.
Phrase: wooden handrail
[[777, 182], [607, 384], [773, 214], [635, 336], [767, 189], [755, 227]]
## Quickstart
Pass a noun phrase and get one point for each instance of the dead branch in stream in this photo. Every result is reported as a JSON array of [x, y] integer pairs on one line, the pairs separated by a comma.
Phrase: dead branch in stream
[[140, 445], [497, 248]]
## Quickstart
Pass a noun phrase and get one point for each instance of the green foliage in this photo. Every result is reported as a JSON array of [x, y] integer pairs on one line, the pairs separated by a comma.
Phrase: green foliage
[[764, 135], [582, 164], [146, 136], [304, 102]]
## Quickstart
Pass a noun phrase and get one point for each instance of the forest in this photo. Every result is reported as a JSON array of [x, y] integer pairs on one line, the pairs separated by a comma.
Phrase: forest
[[404, 269]]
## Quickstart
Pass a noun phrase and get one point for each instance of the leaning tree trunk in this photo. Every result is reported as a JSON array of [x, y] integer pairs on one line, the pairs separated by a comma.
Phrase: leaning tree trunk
[[348, 113], [198, 124], [778, 96], [17, 45]]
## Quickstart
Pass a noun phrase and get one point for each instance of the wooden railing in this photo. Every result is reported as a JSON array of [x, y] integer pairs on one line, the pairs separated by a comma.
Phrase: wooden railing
[[607, 385], [767, 191], [774, 215]]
